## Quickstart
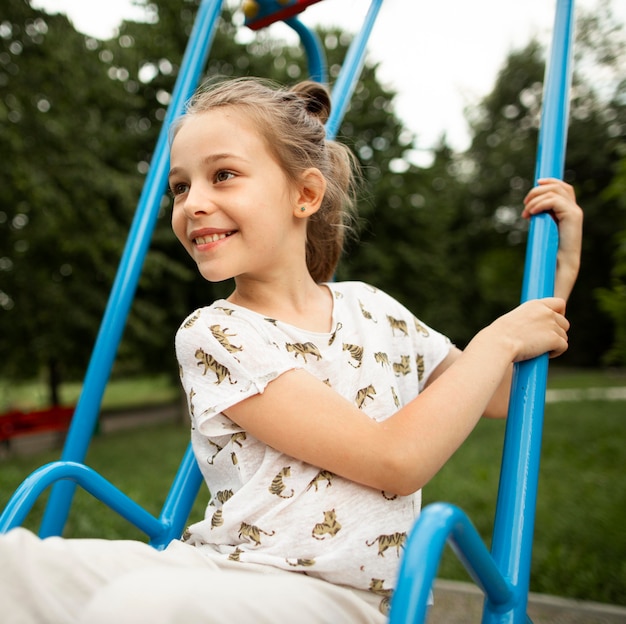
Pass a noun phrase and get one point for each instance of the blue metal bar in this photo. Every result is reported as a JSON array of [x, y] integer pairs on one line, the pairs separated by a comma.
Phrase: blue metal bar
[[504, 577], [161, 531], [517, 495], [32, 487], [180, 500], [318, 67], [438, 523], [129, 271], [350, 71]]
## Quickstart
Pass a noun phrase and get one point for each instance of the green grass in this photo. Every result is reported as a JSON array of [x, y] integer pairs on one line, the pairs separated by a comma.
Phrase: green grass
[[120, 393], [143, 391], [582, 378], [580, 544]]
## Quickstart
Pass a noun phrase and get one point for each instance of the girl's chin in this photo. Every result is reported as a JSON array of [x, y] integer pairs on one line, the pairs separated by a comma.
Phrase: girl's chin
[[215, 277]]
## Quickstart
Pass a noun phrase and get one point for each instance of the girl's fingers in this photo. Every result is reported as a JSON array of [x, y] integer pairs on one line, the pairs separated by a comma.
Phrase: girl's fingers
[[551, 185], [551, 195]]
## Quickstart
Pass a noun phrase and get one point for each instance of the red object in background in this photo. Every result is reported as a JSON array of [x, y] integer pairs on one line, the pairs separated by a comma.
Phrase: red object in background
[[260, 14], [16, 423]]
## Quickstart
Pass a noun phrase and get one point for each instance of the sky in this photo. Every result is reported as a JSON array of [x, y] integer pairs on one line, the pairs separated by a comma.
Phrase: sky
[[438, 55]]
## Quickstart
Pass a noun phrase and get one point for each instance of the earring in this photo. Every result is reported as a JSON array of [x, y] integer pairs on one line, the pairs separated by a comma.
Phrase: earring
[[302, 208]]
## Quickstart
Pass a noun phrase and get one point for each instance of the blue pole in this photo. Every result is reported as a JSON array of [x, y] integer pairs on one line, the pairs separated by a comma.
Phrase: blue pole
[[129, 271], [350, 71], [318, 69], [440, 523], [517, 496]]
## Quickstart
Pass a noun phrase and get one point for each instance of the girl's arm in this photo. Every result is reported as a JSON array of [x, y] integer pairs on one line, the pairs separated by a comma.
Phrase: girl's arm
[[302, 417], [498, 404]]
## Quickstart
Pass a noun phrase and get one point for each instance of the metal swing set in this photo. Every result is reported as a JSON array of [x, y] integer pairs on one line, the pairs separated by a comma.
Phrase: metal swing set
[[503, 573]]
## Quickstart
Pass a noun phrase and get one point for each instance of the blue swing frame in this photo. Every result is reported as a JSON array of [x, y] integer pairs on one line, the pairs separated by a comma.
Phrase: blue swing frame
[[503, 574]]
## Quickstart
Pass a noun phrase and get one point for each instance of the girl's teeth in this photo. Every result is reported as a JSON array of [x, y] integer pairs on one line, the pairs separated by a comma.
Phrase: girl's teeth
[[203, 240]]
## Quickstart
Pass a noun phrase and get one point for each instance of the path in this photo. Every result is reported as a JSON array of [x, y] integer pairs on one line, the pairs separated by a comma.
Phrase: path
[[461, 603]]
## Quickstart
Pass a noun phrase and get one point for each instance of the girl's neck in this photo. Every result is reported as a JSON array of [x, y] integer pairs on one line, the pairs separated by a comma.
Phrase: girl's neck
[[304, 304]]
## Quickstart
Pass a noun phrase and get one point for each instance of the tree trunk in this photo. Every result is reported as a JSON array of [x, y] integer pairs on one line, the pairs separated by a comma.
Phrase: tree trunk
[[54, 382]]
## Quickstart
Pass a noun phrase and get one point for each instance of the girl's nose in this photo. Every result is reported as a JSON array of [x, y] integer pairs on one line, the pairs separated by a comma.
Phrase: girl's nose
[[198, 201]]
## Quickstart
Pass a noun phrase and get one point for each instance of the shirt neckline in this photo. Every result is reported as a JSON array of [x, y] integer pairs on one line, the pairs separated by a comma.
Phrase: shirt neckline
[[333, 328]]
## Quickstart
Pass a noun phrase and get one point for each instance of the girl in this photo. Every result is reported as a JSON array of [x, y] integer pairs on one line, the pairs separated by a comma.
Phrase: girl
[[319, 410]]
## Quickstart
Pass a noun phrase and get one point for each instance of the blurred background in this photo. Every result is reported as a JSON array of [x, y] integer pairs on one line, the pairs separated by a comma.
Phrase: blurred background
[[440, 226]]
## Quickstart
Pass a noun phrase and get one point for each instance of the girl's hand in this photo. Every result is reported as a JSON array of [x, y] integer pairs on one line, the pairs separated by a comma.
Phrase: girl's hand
[[533, 328], [558, 197]]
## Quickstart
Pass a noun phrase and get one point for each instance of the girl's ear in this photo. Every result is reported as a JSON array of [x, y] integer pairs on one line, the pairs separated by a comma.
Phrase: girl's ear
[[309, 193]]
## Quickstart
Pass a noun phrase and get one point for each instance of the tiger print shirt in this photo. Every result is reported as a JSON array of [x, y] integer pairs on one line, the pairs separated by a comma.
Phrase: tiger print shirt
[[267, 507]]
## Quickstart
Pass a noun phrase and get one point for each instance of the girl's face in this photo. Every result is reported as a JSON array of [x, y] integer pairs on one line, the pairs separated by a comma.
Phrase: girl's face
[[234, 209]]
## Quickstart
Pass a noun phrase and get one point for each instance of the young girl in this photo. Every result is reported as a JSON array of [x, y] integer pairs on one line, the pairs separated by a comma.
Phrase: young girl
[[319, 410]]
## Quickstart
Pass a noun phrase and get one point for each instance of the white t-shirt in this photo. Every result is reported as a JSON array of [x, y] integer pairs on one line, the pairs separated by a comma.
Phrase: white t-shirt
[[270, 508]]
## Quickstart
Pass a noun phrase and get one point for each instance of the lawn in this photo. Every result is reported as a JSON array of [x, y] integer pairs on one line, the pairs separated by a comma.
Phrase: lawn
[[580, 542], [120, 393]]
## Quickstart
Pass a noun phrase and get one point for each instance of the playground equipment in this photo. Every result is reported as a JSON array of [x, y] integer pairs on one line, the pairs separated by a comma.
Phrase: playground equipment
[[503, 574]]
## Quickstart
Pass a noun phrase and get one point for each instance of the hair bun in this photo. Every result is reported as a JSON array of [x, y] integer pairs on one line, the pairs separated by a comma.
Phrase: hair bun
[[316, 98]]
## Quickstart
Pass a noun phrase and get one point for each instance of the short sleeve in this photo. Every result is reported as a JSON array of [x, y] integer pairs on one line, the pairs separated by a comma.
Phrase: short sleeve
[[224, 359]]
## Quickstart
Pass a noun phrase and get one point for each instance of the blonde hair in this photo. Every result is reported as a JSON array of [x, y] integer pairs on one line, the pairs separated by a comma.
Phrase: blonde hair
[[291, 120]]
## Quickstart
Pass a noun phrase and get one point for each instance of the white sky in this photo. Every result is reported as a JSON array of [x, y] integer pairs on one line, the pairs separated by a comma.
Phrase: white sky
[[439, 55]]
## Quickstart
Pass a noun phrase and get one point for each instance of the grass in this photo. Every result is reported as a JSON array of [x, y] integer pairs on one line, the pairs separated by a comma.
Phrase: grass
[[580, 541], [580, 544], [120, 393], [565, 378], [134, 392]]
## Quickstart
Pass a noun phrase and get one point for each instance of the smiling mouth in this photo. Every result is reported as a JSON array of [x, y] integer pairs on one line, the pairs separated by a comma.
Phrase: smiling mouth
[[212, 238]]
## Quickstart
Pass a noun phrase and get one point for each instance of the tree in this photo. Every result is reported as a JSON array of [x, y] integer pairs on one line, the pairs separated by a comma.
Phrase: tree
[[66, 201], [504, 127], [445, 240], [612, 299], [79, 149]]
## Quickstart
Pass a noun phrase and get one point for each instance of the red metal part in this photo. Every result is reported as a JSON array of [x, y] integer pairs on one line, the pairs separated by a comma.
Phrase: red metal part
[[273, 11]]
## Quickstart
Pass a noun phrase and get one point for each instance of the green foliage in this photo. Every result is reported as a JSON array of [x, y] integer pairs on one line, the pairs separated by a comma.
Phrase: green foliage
[[612, 300], [80, 119], [504, 127], [60, 235]]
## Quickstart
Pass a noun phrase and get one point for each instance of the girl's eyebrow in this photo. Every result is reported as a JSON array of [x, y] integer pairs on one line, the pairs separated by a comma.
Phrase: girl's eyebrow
[[209, 160]]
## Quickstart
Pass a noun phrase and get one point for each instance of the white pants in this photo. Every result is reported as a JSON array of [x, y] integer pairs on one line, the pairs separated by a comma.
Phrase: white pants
[[90, 581]]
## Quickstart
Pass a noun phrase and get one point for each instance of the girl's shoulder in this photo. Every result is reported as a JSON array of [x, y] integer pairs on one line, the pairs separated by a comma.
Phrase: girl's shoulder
[[223, 316], [222, 309], [354, 289], [362, 292]]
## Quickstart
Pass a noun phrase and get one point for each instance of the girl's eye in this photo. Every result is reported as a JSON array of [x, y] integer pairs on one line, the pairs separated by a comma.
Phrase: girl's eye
[[223, 175], [179, 188]]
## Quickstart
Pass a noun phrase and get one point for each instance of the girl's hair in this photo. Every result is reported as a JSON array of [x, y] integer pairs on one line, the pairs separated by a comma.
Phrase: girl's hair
[[291, 120]]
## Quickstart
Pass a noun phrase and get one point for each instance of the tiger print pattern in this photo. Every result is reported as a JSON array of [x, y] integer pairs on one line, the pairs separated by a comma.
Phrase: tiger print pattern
[[375, 354], [278, 487], [328, 528]]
